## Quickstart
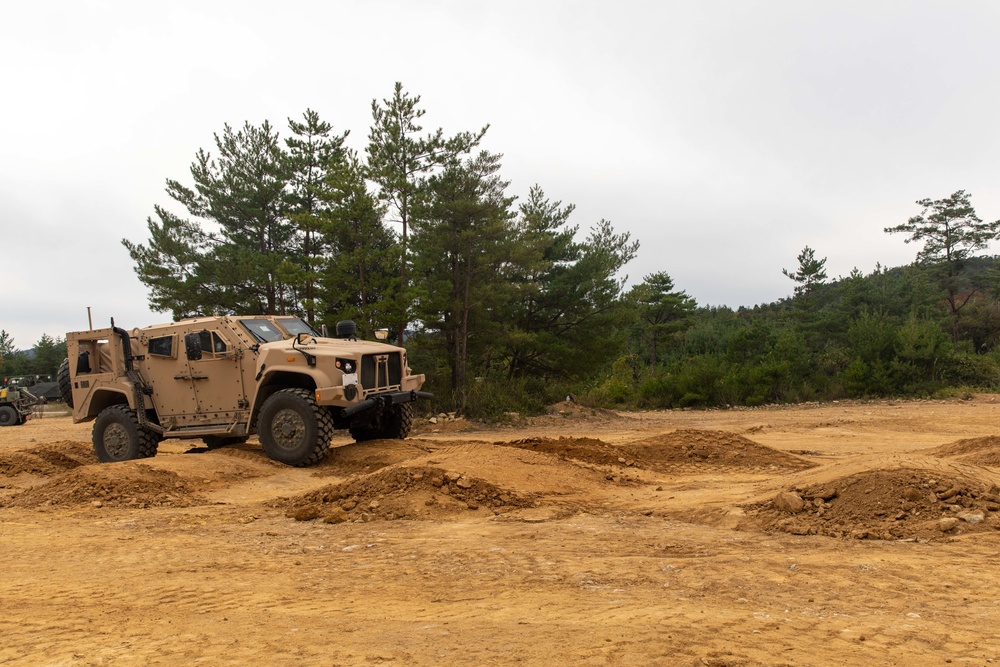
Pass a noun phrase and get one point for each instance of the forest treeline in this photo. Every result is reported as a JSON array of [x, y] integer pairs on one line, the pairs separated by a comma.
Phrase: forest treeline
[[37, 365], [507, 305]]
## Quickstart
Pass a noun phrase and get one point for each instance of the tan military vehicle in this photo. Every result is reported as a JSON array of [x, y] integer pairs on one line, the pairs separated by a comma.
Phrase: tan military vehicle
[[223, 379]]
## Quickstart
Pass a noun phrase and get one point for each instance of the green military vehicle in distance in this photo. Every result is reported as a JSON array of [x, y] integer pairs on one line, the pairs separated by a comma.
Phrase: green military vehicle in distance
[[16, 404], [225, 378]]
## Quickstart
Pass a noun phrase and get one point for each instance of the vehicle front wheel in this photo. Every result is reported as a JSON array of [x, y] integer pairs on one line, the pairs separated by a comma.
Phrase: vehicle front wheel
[[9, 416], [294, 429], [118, 436]]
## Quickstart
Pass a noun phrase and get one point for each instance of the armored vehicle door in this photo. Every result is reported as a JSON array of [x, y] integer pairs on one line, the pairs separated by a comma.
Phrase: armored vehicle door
[[166, 371], [196, 377], [217, 377]]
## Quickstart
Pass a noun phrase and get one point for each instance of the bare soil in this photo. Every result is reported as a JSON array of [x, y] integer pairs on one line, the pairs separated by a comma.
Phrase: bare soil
[[836, 534]]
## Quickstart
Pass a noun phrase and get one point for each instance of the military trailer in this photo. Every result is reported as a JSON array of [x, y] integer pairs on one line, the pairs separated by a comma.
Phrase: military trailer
[[223, 379]]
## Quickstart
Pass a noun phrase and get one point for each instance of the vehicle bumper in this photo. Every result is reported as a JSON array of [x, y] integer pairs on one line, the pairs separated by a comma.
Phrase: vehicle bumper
[[384, 400]]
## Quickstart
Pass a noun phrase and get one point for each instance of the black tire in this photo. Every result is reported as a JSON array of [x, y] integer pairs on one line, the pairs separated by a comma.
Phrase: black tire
[[397, 421], [363, 431], [65, 386], [118, 436], [392, 423], [216, 441], [293, 429], [9, 416]]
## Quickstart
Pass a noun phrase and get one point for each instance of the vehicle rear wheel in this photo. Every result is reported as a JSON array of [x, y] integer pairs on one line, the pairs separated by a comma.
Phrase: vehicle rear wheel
[[391, 423], [9, 416], [294, 429], [65, 385], [397, 421], [118, 436]]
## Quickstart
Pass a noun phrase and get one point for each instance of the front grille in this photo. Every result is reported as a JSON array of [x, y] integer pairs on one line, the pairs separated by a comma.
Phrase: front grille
[[381, 371]]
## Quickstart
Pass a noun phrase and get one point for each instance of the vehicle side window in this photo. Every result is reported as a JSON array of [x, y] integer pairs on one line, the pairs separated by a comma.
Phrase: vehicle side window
[[211, 343], [162, 346], [295, 325]]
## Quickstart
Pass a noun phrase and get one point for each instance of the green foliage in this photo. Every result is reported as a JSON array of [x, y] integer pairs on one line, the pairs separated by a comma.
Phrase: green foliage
[[883, 334], [810, 274], [7, 353], [949, 229], [400, 161], [49, 353], [950, 232], [359, 275], [499, 399], [312, 151], [461, 242], [566, 312], [240, 195], [42, 361], [662, 310]]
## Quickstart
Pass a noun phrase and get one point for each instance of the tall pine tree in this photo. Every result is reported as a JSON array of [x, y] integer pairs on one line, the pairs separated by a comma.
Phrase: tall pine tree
[[312, 151], [360, 277], [400, 159], [461, 239]]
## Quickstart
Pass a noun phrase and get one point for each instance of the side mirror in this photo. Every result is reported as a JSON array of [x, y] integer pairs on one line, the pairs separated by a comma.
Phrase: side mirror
[[302, 338], [192, 345], [381, 334]]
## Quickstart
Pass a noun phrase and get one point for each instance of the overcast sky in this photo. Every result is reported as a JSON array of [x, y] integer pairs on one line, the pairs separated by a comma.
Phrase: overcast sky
[[724, 136]]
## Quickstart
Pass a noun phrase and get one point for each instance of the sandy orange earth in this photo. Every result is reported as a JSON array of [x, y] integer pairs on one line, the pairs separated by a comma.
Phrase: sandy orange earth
[[838, 534]]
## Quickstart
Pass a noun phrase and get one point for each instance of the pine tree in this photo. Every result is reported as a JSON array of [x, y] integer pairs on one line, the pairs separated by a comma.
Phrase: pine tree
[[400, 159], [360, 271], [227, 256], [562, 319], [9, 357], [950, 232], [661, 308], [312, 150], [171, 265], [810, 274], [461, 239]]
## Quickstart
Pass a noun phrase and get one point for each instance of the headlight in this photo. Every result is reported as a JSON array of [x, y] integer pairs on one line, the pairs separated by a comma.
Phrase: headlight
[[346, 365]]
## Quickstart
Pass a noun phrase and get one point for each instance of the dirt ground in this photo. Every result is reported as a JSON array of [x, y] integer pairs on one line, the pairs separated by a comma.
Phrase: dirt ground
[[836, 534]]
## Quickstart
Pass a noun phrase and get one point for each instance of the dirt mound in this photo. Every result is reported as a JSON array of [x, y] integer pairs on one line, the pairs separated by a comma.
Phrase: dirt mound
[[47, 460], [366, 457], [694, 450], [588, 450], [407, 492], [678, 452], [250, 452], [977, 451], [120, 485], [885, 504]]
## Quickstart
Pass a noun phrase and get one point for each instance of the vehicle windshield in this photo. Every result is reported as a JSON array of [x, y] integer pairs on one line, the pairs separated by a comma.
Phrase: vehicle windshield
[[295, 326], [264, 331]]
